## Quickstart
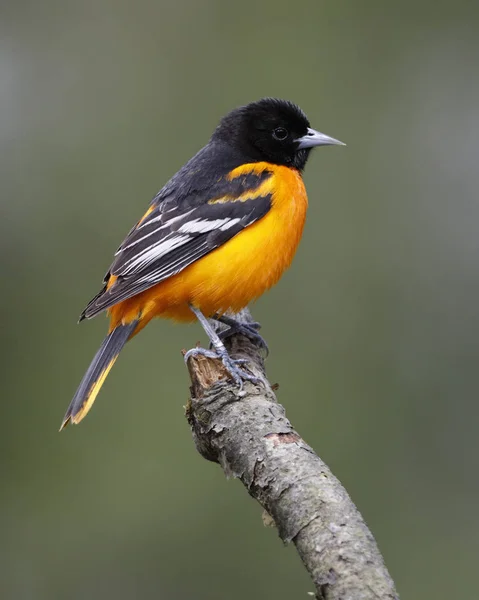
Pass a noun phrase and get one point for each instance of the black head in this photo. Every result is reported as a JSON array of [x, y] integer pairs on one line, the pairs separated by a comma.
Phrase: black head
[[271, 130]]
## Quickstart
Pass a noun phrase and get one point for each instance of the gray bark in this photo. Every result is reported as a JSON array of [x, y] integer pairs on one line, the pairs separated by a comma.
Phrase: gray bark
[[249, 435]]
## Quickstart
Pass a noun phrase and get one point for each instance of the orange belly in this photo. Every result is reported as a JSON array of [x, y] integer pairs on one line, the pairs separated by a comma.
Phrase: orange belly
[[241, 270]]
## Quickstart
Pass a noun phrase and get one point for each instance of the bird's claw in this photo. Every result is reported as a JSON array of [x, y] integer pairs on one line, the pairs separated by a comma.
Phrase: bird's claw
[[199, 352], [232, 365], [249, 330]]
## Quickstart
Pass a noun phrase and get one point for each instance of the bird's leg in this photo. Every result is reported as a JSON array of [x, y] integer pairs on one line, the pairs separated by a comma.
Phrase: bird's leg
[[233, 366], [249, 330]]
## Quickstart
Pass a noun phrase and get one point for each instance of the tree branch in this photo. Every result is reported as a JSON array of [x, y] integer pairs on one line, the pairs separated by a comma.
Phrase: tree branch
[[250, 437]]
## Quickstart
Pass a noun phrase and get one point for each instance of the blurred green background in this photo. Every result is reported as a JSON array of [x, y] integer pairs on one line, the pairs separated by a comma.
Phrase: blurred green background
[[373, 332]]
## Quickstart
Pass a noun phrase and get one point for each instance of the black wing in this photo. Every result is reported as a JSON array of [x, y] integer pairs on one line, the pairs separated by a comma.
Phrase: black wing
[[196, 212]]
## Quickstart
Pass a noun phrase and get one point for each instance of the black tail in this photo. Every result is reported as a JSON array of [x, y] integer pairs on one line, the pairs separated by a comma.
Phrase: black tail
[[97, 371]]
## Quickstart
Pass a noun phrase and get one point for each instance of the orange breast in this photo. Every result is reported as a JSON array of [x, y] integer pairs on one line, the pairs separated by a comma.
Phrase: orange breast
[[241, 270]]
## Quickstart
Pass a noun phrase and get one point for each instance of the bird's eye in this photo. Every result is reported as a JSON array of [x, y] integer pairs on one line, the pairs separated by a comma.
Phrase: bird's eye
[[280, 133]]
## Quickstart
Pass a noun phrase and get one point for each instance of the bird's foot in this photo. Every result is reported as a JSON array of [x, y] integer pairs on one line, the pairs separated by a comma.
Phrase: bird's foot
[[249, 330], [199, 352], [232, 365]]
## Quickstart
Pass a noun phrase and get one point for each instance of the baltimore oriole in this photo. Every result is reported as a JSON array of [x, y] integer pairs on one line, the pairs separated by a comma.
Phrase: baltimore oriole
[[218, 235]]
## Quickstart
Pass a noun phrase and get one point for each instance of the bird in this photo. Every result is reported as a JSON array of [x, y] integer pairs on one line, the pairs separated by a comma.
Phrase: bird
[[219, 234]]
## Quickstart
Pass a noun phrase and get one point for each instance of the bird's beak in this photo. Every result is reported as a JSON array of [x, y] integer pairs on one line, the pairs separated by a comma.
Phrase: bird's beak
[[315, 138]]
